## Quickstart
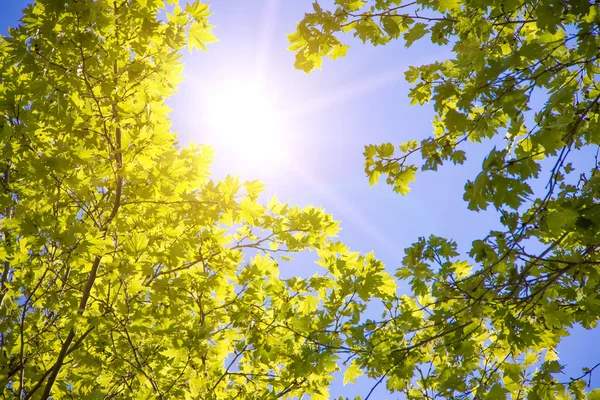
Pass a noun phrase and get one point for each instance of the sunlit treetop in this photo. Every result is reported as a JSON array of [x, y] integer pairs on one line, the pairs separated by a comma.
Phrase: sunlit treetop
[[524, 71], [127, 272]]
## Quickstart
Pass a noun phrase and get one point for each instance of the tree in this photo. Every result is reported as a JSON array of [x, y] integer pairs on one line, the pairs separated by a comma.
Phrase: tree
[[487, 327], [125, 268]]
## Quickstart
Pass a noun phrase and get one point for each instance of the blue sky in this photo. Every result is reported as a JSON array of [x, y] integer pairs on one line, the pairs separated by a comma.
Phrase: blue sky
[[333, 113]]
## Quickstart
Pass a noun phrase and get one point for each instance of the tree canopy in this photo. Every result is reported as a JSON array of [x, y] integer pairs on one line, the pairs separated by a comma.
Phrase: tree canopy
[[488, 326], [127, 272], [122, 262]]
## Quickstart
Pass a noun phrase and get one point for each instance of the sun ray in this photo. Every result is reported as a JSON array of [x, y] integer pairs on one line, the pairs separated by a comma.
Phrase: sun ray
[[267, 29], [356, 89], [347, 212], [348, 92]]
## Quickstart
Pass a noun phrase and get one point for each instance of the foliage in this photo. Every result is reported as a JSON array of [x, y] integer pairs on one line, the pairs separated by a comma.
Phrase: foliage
[[126, 271], [488, 327]]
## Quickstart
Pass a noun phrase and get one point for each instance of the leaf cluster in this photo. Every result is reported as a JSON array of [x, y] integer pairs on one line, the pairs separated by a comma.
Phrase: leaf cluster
[[127, 272], [488, 326]]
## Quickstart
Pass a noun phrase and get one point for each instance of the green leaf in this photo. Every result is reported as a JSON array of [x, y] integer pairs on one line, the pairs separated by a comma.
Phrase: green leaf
[[416, 32], [449, 5], [559, 219], [249, 210], [199, 36], [339, 50], [3, 254], [352, 373], [354, 5], [497, 392], [198, 11], [390, 25], [594, 395], [374, 177]]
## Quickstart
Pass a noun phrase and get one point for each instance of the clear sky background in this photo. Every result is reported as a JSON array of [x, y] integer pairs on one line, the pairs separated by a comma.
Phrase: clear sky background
[[329, 116]]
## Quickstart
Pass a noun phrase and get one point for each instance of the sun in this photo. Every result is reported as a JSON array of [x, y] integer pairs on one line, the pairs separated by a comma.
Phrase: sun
[[244, 114]]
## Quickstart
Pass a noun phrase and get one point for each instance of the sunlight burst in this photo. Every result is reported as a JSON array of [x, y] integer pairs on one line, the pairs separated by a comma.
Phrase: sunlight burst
[[245, 116]]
